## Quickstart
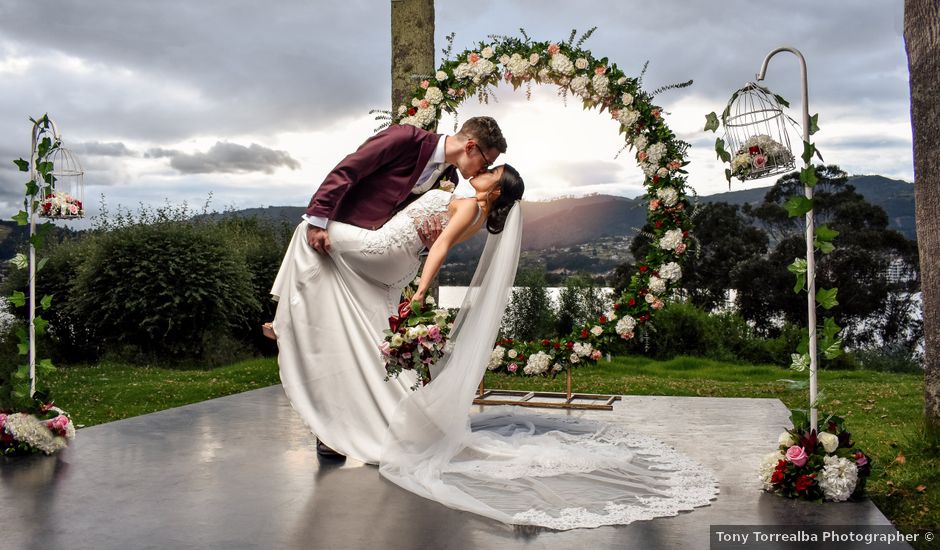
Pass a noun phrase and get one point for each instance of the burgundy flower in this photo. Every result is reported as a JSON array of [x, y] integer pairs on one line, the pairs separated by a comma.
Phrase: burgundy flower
[[584, 334], [804, 482], [602, 319], [808, 441], [754, 150], [631, 302]]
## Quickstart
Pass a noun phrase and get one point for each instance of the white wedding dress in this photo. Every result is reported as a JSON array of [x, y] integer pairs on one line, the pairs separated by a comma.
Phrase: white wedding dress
[[513, 465]]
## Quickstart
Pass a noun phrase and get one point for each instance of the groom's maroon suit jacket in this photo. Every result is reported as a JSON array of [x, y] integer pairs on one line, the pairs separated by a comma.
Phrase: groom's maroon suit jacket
[[367, 187]]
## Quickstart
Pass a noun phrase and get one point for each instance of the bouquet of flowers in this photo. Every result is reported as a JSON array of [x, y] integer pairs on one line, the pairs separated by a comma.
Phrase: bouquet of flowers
[[760, 154], [47, 431], [415, 340], [816, 466], [60, 204]]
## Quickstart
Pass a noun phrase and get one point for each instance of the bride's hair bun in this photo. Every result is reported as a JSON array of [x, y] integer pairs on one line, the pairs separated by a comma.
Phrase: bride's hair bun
[[512, 187]]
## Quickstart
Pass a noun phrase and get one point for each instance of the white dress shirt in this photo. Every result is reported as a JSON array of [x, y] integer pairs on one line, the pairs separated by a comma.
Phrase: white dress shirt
[[426, 180]]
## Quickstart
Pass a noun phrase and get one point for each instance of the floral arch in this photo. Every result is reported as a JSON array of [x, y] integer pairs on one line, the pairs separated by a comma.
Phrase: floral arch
[[661, 156]]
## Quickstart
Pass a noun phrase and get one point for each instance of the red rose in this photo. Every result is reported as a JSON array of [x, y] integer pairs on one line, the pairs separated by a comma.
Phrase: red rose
[[545, 342], [557, 345], [602, 319], [569, 344], [659, 224], [685, 233], [777, 477], [584, 334], [617, 306], [804, 482], [643, 269], [412, 111], [655, 179], [755, 150], [631, 302]]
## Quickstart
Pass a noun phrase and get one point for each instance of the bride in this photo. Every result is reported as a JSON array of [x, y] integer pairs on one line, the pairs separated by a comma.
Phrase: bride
[[510, 465]]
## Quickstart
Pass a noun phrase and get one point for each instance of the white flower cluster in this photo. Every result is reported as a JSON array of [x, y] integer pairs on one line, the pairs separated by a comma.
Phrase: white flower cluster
[[657, 285], [640, 142], [668, 195], [625, 327], [562, 65], [579, 85], [656, 152], [767, 466], [434, 95], [61, 203], [671, 271], [628, 117], [475, 71], [441, 76], [496, 358], [583, 350], [423, 118], [6, 318], [538, 363], [34, 432], [671, 239], [839, 477], [518, 66], [600, 83]]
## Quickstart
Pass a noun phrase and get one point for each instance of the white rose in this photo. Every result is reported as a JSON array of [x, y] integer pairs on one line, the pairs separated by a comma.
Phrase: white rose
[[513, 354], [611, 315], [581, 63], [829, 441], [557, 367], [657, 285], [504, 59], [397, 340], [627, 99], [441, 76], [651, 298], [574, 359], [597, 330], [662, 172], [487, 52], [534, 59], [668, 195], [786, 439]]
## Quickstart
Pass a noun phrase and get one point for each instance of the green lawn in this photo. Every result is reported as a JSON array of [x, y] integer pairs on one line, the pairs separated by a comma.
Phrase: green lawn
[[882, 410]]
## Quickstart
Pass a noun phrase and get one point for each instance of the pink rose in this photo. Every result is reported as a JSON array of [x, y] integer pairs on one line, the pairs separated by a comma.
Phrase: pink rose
[[406, 355], [473, 57], [658, 304], [425, 84], [73, 210], [507, 75], [674, 165], [596, 355], [434, 333], [759, 162], [385, 348], [3, 420], [553, 49], [655, 113], [641, 155], [424, 104], [797, 455], [512, 367], [600, 69], [654, 204], [451, 92], [680, 248]]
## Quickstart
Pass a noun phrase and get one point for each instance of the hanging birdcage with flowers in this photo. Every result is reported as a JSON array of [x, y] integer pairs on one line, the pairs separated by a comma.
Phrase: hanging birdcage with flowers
[[757, 133], [64, 197]]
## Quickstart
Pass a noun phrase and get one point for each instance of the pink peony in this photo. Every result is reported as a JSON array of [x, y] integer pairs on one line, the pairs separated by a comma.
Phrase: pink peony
[[553, 49], [451, 92], [674, 165], [600, 69], [512, 367], [797, 455], [385, 348], [424, 104], [434, 333]]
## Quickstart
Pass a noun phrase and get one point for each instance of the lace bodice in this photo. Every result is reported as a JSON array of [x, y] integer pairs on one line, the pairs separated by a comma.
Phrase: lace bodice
[[402, 229]]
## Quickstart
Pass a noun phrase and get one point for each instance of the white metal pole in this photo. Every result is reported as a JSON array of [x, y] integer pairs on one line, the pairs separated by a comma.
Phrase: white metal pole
[[34, 176], [810, 252]]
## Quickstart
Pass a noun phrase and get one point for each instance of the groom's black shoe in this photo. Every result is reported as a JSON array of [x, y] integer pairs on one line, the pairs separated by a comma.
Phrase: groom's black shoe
[[326, 452]]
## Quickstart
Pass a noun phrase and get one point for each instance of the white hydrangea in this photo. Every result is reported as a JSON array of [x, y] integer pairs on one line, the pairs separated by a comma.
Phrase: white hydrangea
[[579, 85], [402, 110], [657, 285], [627, 99], [839, 477], [671, 271], [426, 117], [640, 143], [441, 76], [561, 64], [581, 63], [600, 83], [668, 195], [829, 441], [767, 466], [538, 363], [482, 69], [671, 239], [496, 358], [517, 65], [583, 350], [740, 161], [6, 318], [486, 52], [434, 95], [625, 326], [32, 431], [656, 152], [649, 169], [543, 75], [628, 117], [597, 330], [463, 71]]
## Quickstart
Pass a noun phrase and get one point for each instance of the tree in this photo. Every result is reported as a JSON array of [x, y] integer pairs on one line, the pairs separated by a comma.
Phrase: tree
[[412, 45], [922, 40], [530, 314]]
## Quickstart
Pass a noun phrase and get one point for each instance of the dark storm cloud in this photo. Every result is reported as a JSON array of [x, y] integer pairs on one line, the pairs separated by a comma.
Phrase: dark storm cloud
[[110, 149], [226, 157]]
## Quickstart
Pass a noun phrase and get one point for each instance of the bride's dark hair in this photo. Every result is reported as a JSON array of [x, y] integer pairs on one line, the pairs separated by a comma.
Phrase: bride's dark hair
[[511, 187]]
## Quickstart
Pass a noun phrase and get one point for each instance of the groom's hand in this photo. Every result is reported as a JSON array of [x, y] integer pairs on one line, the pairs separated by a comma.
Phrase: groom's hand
[[318, 239], [429, 231]]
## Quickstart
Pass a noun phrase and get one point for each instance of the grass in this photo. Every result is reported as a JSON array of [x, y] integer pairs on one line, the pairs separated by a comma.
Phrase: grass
[[884, 411]]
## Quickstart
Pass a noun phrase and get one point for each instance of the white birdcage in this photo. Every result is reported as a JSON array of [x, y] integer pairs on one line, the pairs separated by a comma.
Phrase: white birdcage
[[66, 197], [757, 134]]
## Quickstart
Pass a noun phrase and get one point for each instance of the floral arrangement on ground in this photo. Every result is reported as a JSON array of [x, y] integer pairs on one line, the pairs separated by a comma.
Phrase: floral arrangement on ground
[[811, 465], [658, 152], [47, 431]]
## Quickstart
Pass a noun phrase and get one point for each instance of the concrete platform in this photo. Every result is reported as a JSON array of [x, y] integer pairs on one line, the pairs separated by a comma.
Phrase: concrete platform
[[242, 472]]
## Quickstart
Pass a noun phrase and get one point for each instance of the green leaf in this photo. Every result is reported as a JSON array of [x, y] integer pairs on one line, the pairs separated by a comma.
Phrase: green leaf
[[781, 101], [23, 348], [46, 301], [44, 167], [22, 165], [808, 150], [18, 299], [22, 373], [45, 366], [833, 350], [21, 218], [824, 238], [41, 264], [800, 283], [728, 176], [798, 205], [814, 124], [830, 328], [720, 151], [40, 325], [808, 176], [826, 298], [31, 188], [798, 268], [711, 122], [799, 418]]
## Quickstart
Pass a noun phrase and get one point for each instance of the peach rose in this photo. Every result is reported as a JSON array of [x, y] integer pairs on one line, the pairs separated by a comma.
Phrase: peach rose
[[553, 49]]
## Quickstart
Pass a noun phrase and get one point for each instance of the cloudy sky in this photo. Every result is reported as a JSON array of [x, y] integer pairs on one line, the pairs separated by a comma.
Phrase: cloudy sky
[[256, 101]]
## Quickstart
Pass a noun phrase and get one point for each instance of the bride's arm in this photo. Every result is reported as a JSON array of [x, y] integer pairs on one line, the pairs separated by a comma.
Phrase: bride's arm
[[460, 221]]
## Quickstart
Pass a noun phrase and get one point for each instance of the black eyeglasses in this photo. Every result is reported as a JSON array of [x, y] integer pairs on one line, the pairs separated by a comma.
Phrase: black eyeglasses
[[486, 160]]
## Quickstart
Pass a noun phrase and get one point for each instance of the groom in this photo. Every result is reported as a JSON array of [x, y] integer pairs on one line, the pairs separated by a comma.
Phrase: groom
[[393, 168]]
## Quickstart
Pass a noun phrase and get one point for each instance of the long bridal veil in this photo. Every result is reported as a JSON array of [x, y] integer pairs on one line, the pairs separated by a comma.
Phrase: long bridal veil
[[521, 467]]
